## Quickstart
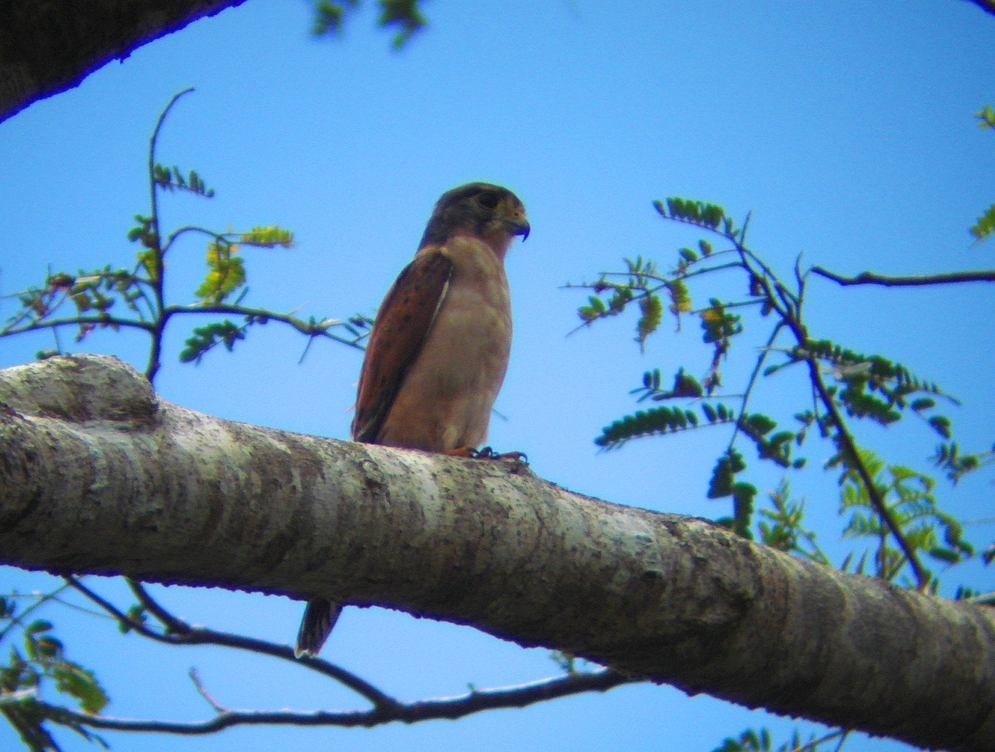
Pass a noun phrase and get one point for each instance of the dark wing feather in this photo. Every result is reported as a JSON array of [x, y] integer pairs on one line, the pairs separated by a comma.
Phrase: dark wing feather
[[403, 321]]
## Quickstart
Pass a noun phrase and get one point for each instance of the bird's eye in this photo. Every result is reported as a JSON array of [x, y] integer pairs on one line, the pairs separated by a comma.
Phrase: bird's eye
[[488, 200]]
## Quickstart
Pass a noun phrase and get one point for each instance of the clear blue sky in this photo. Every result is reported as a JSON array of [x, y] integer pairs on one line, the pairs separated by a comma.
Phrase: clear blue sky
[[847, 130]]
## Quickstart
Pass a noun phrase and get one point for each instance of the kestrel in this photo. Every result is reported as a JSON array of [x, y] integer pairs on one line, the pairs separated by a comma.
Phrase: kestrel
[[438, 350]]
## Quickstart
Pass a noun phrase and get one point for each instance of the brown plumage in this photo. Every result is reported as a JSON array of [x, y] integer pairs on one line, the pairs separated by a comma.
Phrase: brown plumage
[[438, 350]]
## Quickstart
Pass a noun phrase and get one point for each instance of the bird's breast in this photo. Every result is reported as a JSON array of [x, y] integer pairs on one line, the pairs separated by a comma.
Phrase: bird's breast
[[446, 398]]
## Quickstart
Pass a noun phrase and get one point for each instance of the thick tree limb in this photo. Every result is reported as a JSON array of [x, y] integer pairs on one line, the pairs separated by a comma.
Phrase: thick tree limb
[[49, 46], [97, 475]]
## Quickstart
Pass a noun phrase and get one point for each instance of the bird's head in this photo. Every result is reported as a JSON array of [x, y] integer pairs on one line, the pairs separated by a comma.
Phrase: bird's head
[[482, 210]]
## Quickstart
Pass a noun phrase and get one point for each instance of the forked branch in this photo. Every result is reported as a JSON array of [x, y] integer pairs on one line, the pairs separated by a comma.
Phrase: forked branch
[[385, 709]]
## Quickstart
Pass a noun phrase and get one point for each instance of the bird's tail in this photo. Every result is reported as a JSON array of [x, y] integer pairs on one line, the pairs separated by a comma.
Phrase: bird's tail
[[319, 618]]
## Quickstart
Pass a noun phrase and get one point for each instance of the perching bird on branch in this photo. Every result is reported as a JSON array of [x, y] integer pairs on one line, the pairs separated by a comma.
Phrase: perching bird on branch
[[438, 350]]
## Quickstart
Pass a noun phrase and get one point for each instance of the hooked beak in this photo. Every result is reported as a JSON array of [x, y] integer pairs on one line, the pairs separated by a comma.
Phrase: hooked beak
[[520, 226]]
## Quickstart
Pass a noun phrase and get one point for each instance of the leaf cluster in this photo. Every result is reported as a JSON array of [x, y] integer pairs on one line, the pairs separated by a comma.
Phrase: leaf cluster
[[404, 16], [912, 504], [985, 226], [752, 740], [170, 180], [41, 663]]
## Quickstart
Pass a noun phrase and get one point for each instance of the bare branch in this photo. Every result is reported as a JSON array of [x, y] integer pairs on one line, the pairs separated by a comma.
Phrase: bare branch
[[449, 708], [186, 634], [870, 278]]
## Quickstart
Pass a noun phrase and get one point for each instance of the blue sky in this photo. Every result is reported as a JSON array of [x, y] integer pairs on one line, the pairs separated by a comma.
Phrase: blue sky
[[848, 132]]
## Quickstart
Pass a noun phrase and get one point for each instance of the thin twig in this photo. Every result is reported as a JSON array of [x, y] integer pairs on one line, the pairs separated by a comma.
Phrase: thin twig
[[753, 378], [218, 708], [843, 739], [192, 228], [319, 329], [42, 599], [77, 321], [709, 270], [173, 624]]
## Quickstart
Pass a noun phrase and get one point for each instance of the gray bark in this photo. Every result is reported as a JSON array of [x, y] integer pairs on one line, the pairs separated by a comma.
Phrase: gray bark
[[49, 46], [99, 476]]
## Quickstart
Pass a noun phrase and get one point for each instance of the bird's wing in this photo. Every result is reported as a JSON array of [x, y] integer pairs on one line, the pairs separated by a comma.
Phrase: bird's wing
[[402, 323]]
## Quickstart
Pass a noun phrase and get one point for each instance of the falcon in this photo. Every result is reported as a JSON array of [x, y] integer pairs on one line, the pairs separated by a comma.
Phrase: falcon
[[438, 349]]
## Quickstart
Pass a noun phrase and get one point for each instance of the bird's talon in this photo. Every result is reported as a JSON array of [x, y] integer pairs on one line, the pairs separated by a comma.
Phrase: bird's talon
[[489, 454]]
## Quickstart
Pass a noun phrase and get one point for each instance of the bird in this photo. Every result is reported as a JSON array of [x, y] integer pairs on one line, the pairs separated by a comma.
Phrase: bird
[[438, 349]]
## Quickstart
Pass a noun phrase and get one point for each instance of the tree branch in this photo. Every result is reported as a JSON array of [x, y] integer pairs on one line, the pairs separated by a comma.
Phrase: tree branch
[[986, 5], [185, 634], [319, 329], [47, 48], [449, 708], [98, 475], [385, 708], [870, 278], [77, 321], [847, 445]]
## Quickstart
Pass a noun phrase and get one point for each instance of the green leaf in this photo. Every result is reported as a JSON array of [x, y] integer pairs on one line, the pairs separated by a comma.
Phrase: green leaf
[[944, 554], [651, 310], [226, 273], [941, 425], [760, 423], [80, 684], [721, 482], [680, 298], [985, 226], [402, 15], [709, 411], [268, 237], [743, 495], [48, 646], [206, 337]]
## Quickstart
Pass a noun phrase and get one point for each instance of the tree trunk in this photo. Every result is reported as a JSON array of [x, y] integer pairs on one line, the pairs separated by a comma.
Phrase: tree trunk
[[49, 46], [99, 476]]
